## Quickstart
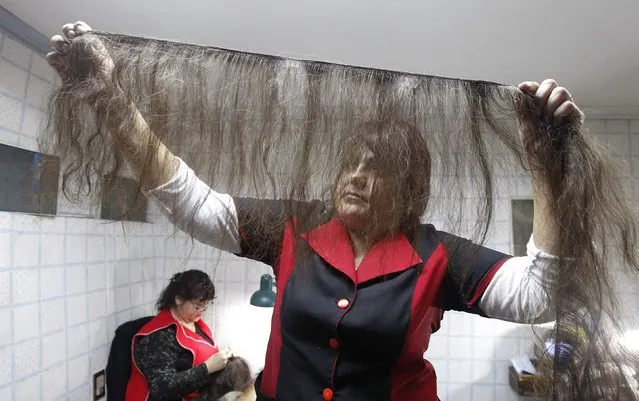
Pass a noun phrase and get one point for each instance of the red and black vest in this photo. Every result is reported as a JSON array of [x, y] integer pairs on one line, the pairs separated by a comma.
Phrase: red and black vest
[[341, 333], [137, 389]]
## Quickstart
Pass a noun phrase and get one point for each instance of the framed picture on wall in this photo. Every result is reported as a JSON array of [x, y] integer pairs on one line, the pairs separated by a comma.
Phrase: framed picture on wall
[[29, 181], [522, 220]]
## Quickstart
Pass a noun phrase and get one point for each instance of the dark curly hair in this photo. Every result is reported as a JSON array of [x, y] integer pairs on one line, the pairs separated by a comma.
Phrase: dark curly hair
[[190, 285]]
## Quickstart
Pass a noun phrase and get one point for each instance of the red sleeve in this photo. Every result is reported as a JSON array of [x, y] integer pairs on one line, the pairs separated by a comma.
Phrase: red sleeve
[[483, 284], [470, 269]]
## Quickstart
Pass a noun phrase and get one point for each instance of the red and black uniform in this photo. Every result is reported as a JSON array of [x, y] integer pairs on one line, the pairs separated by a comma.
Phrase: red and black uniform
[[340, 333], [168, 360]]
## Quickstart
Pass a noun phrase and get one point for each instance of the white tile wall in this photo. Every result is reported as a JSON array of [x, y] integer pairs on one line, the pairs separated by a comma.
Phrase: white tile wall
[[67, 282], [16, 53], [54, 382], [26, 358], [6, 327], [82, 393], [57, 285], [27, 389], [54, 349], [5, 288], [53, 282], [10, 110], [56, 312], [6, 393], [6, 365], [53, 315], [26, 322], [14, 79]]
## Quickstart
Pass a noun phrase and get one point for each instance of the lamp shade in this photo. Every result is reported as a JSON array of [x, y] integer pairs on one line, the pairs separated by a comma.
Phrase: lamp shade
[[265, 296]]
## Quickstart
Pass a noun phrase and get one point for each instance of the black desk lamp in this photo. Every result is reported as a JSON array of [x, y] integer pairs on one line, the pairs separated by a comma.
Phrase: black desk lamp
[[265, 296]]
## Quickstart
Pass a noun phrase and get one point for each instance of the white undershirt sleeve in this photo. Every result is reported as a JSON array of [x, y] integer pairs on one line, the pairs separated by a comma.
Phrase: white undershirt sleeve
[[519, 291], [193, 207]]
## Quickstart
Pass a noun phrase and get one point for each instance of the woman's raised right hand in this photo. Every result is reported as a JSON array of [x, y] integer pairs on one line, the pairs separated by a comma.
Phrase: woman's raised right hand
[[218, 360], [61, 44]]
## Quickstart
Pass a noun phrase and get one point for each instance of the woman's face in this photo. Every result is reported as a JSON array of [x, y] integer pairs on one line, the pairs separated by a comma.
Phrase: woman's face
[[362, 194], [190, 311]]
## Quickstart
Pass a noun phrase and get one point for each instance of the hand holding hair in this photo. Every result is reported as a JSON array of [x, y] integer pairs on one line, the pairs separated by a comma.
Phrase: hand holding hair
[[218, 360], [93, 53], [553, 101]]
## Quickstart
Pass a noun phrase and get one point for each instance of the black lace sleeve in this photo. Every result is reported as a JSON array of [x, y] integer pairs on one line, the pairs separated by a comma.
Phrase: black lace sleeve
[[165, 365]]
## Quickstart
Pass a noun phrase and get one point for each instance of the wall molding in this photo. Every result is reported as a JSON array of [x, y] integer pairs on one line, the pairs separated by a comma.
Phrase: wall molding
[[611, 112], [23, 32]]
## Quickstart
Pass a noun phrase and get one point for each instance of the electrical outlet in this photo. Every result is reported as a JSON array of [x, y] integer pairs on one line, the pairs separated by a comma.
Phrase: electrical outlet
[[98, 385]]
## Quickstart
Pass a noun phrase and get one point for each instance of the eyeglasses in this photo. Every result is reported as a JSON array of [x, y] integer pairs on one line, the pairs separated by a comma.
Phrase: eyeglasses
[[200, 308]]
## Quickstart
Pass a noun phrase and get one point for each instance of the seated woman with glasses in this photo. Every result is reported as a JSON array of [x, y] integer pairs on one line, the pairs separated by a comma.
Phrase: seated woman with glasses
[[175, 355]]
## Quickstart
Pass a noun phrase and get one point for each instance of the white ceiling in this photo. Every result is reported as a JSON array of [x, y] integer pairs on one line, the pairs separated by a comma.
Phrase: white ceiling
[[589, 46]]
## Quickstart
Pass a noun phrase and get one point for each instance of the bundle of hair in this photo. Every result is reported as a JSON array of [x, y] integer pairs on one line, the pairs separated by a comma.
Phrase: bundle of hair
[[269, 127], [235, 377]]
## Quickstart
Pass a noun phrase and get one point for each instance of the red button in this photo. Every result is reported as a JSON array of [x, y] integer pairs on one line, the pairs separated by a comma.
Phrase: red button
[[327, 394], [342, 303], [333, 343]]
